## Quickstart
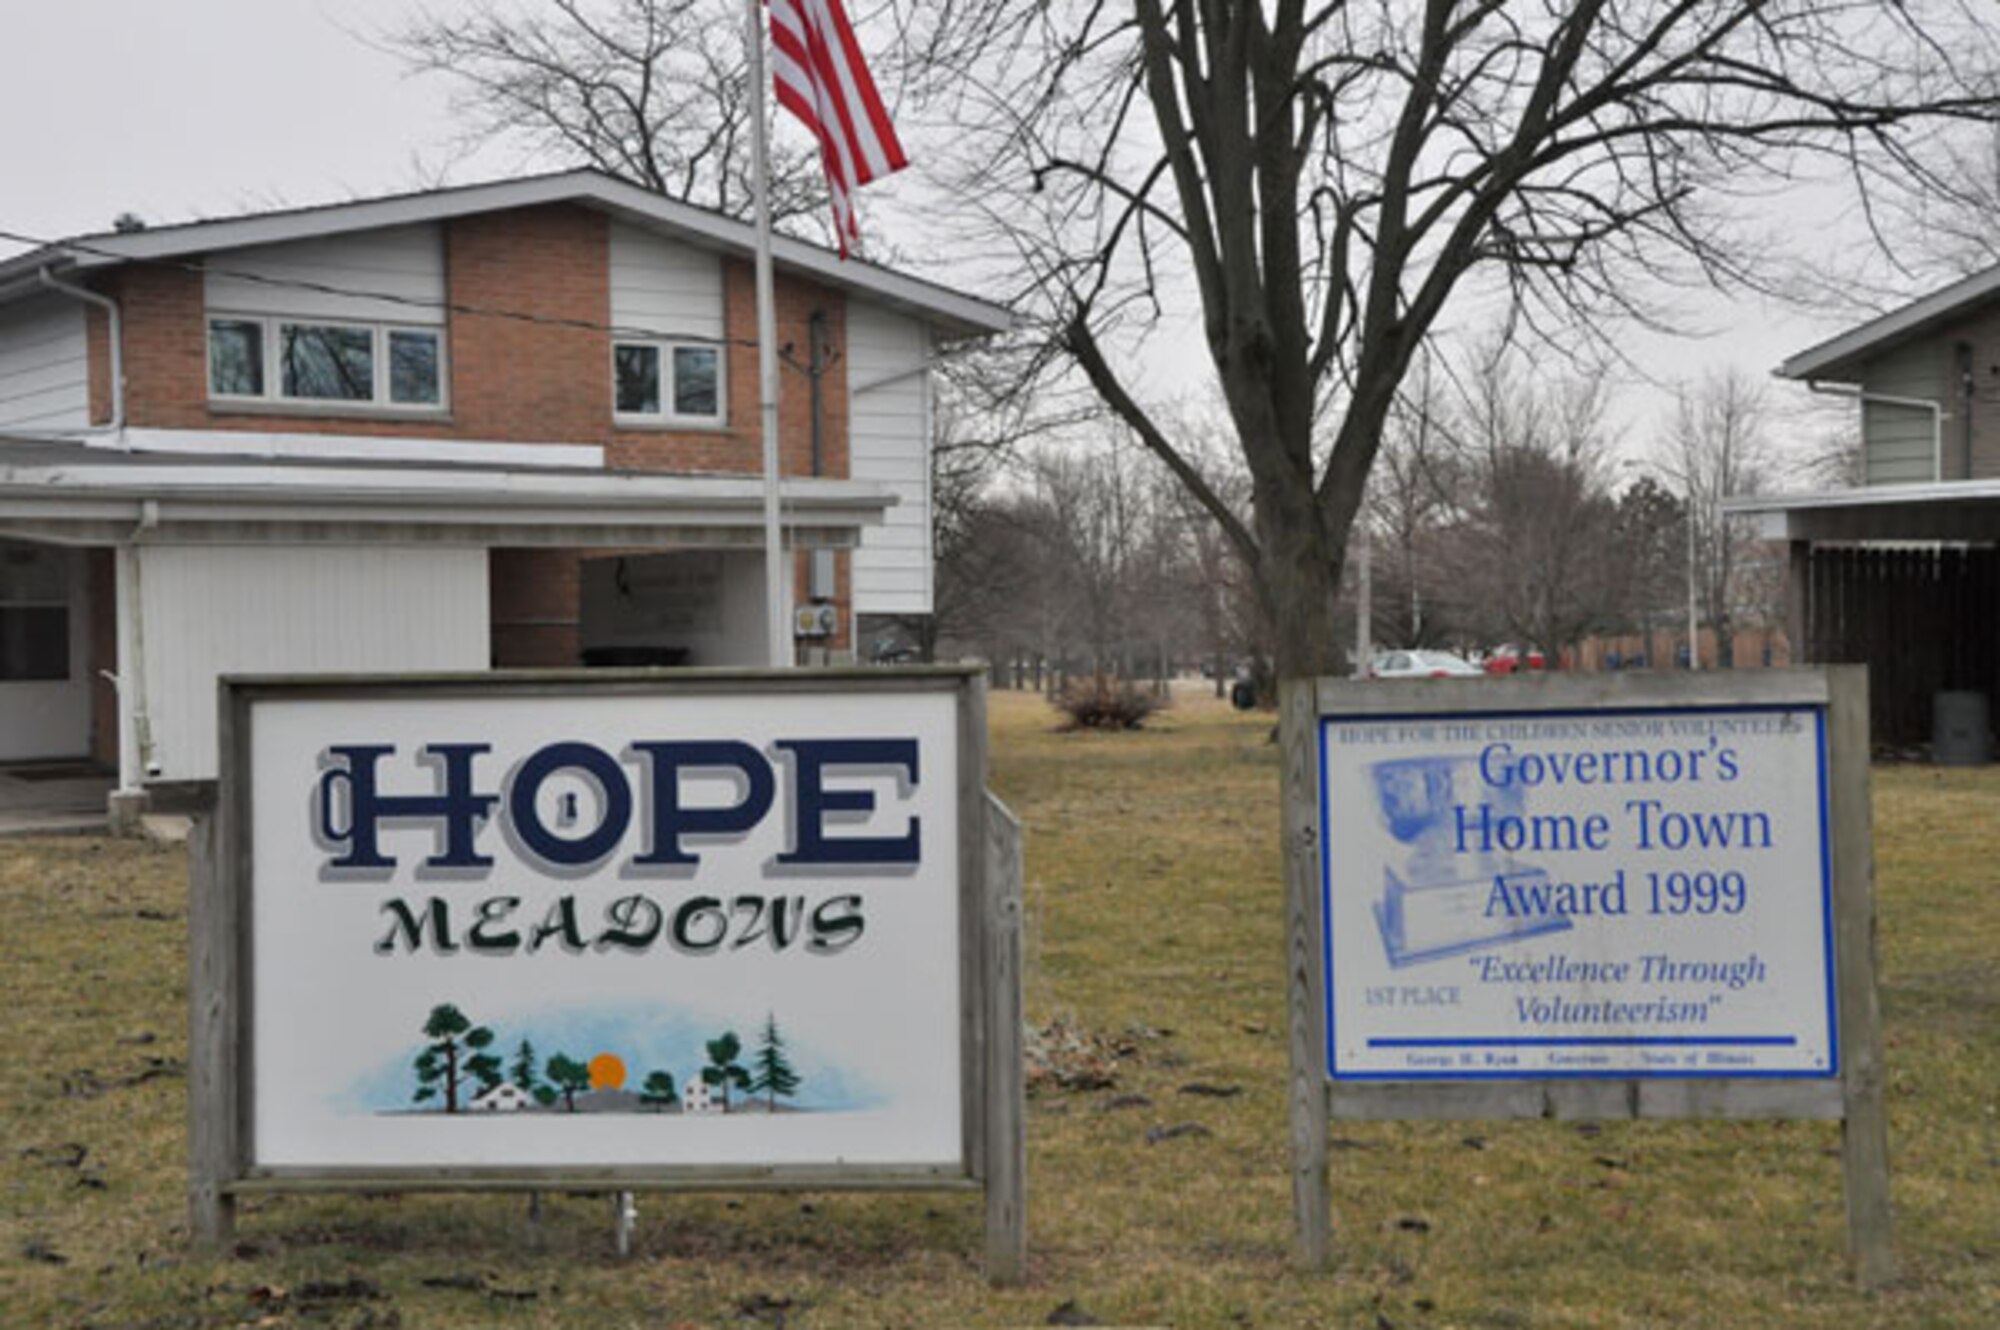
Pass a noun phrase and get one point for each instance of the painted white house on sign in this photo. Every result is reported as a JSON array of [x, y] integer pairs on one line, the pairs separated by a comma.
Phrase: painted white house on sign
[[504, 425], [505, 1097]]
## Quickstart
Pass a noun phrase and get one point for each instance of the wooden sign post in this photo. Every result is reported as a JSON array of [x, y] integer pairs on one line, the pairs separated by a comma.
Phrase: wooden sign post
[[1584, 896], [608, 931]]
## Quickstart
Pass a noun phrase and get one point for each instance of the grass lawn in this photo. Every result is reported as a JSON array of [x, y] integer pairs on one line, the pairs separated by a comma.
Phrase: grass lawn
[[1155, 982]]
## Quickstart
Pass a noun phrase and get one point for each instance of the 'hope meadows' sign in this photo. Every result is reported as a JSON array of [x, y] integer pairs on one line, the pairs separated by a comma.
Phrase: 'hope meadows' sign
[[504, 928]]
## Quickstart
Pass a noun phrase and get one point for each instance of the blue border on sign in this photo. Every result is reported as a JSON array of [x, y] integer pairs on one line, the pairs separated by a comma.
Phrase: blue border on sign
[[1599, 1041], [1818, 711], [1826, 903]]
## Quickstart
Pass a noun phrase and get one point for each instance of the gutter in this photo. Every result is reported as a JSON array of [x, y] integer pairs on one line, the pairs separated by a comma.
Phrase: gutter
[[1885, 399]]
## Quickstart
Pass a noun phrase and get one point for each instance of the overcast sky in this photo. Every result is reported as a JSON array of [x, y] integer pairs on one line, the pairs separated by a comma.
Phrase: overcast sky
[[178, 109]]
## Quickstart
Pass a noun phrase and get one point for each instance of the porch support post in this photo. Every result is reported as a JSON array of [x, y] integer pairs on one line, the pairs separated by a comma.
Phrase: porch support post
[[1798, 590], [128, 802]]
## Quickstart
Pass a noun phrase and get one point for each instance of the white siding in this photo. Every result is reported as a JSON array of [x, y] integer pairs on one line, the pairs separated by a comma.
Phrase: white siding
[[662, 287], [1900, 443], [888, 427], [214, 610], [404, 262], [44, 365]]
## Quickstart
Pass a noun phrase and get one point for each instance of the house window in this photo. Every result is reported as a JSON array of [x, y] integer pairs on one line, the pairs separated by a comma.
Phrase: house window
[[326, 362], [667, 381], [414, 378], [34, 615], [236, 358], [345, 364]]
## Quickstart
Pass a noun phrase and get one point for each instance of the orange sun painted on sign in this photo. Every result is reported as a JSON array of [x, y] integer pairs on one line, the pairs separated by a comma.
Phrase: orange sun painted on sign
[[607, 1072]]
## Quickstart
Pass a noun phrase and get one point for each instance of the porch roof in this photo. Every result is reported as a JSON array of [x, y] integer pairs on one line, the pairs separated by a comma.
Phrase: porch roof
[[1954, 510], [68, 493]]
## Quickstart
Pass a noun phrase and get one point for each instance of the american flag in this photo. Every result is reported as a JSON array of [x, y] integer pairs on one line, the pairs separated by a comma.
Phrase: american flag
[[822, 79]]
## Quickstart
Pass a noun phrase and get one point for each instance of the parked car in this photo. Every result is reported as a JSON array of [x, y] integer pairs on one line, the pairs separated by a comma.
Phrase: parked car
[[1420, 665], [1512, 660]]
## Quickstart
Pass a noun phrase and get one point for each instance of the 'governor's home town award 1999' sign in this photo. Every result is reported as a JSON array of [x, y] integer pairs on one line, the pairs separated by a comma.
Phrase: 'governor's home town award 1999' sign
[[638, 930], [1584, 896], [1600, 892]]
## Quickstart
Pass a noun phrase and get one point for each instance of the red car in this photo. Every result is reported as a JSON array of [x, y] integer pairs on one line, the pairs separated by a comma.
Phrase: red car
[[1509, 660]]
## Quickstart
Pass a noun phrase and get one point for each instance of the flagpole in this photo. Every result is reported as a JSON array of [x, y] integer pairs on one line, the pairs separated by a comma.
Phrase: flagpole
[[776, 625]]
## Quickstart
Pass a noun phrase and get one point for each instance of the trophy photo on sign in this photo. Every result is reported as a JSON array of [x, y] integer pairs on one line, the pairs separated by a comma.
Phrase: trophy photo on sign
[[1435, 902]]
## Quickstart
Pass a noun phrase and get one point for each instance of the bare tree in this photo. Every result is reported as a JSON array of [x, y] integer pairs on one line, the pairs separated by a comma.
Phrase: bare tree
[[1948, 234], [1226, 625], [1652, 544], [1719, 447], [1409, 495], [1526, 554], [651, 90], [1104, 544], [1329, 179]]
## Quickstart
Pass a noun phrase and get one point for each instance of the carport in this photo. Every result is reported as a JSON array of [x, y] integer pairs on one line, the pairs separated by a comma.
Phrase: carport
[[1902, 578], [140, 578]]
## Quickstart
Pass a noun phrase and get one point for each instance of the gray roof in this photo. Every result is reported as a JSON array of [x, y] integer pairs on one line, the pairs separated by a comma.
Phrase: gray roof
[[953, 313], [1925, 511], [1840, 358]]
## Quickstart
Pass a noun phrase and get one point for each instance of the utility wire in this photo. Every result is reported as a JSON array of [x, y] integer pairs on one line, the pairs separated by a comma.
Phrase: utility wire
[[385, 297]]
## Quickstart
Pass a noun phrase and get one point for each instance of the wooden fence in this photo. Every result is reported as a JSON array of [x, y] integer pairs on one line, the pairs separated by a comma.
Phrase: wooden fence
[[1922, 620]]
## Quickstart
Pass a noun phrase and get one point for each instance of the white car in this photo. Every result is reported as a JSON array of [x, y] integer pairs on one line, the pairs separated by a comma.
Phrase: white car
[[1421, 665]]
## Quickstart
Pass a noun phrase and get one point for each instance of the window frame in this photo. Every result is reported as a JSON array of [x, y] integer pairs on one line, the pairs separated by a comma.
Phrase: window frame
[[667, 416], [63, 601], [271, 363]]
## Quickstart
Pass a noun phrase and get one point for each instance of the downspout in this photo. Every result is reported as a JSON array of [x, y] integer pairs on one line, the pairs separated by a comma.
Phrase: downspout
[[116, 425], [816, 362], [1885, 399]]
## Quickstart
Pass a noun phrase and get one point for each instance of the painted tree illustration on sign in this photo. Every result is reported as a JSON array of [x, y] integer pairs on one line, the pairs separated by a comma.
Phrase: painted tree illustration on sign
[[723, 1070], [569, 1076], [524, 1071], [658, 1090], [456, 1052], [774, 1075]]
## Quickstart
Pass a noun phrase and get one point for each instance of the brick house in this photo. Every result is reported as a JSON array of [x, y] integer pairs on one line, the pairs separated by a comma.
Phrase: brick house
[[510, 425]]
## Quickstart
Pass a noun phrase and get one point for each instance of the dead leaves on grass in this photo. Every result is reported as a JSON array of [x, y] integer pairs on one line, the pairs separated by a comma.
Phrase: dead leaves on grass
[[1155, 1135], [69, 1154], [85, 1083], [42, 1253], [1065, 1057]]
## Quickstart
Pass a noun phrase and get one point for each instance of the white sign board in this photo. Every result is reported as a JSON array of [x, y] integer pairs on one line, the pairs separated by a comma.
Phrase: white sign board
[[1603, 893], [645, 929]]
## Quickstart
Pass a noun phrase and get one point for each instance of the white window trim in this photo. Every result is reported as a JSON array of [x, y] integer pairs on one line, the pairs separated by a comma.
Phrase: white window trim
[[666, 415], [273, 369]]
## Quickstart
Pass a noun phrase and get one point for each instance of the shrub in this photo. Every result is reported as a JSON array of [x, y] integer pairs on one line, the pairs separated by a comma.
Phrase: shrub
[[1104, 703]]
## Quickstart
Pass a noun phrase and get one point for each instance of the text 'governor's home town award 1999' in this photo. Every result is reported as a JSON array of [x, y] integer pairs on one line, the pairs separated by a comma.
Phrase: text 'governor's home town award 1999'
[[1584, 896], [1602, 893]]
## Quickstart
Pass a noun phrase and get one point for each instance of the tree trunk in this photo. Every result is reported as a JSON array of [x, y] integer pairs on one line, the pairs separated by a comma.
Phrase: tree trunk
[[1298, 578]]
